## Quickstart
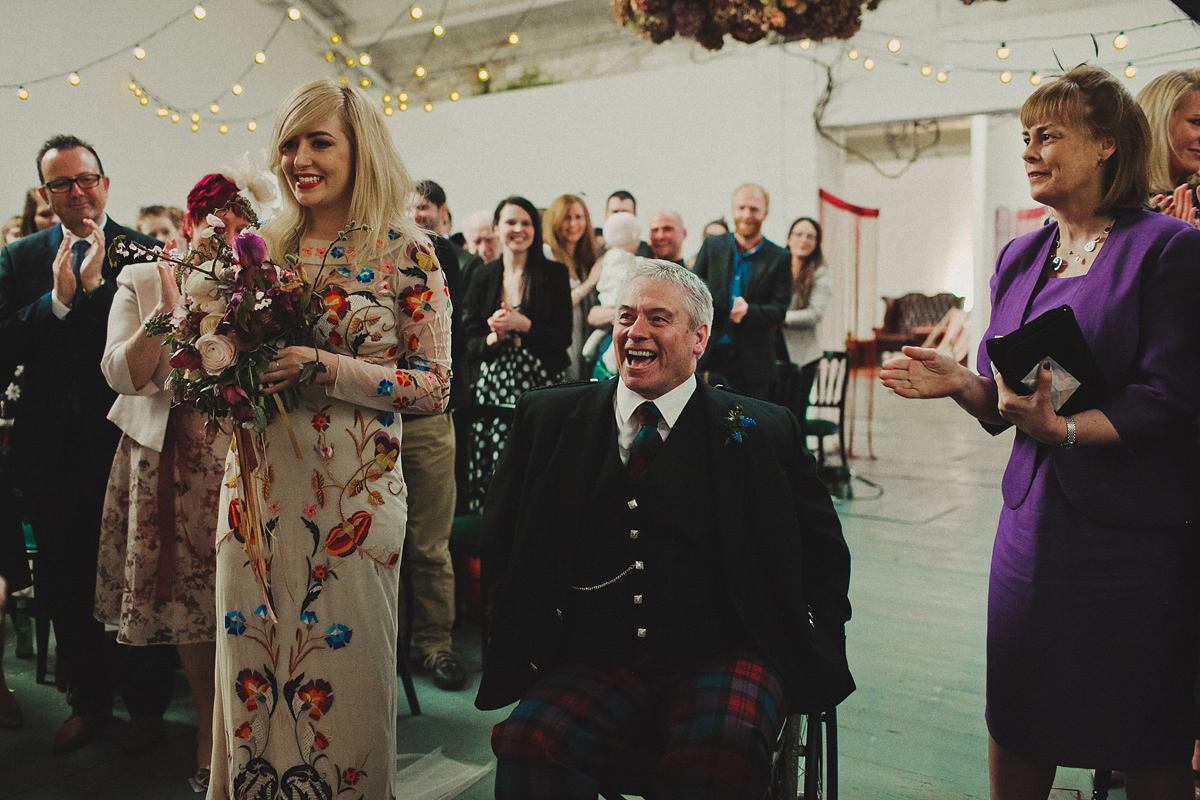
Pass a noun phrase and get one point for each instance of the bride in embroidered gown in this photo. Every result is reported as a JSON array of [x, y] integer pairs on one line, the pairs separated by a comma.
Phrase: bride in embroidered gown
[[306, 659]]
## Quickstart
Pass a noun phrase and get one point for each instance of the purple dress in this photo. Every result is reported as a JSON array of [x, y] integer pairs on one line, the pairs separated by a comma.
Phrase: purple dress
[[1091, 639]]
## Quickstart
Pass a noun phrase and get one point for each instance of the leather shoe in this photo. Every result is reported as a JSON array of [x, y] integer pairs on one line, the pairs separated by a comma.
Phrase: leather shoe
[[448, 672], [76, 732], [141, 734]]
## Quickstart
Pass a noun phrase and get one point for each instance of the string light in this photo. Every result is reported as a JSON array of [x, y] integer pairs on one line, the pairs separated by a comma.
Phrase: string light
[[388, 111], [513, 38], [1130, 70], [365, 83], [438, 30], [868, 64], [223, 128], [454, 97], [893, 45], [195, 117], [260, 57], [144, 100], [428, 106], [139, 52], [175, 116], [293, 13], [1120, 41], [351, 62], [133, 87], [805, 44], [22, 93], [1005, 77], [237, 89], [74, 79], [926, 70], [252, 126], [1002, 52], [215, 108], [482, 75], [419, 71], [852, 54], [415, 12], [1035, 79], [342, 80], [163, 111], [199, 13], [402, 97], [942, 76], [195, 127], [335, 39], [403, 106], [387, 98], [365, 59], [329, 56]]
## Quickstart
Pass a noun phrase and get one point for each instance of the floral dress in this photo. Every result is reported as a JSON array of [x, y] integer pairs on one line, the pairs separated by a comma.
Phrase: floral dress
[[306, 706]]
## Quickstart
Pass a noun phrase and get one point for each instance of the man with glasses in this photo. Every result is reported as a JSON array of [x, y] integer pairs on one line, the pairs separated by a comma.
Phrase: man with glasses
[[56, 288]]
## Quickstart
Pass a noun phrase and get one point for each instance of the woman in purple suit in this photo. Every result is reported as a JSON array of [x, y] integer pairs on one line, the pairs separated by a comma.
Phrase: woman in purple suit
[[1091, 606]]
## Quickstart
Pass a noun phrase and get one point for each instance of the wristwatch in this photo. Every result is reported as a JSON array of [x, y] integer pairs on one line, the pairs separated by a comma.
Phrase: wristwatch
[[1070, 442]]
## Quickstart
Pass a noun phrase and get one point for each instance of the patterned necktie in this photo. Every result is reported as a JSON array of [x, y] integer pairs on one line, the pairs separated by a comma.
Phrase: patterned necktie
[[647, 442]]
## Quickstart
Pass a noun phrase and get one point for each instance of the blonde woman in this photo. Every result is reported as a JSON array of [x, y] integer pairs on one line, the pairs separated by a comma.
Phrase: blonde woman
[[306, 697], [1171, 103], [567, 231]]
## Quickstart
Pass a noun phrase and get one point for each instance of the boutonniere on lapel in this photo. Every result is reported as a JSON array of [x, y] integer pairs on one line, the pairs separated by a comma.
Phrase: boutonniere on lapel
[[736, 424]]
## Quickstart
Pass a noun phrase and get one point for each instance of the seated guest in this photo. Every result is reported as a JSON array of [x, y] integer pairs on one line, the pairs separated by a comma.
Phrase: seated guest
[[657, 553], [517, 315], [164, 223]]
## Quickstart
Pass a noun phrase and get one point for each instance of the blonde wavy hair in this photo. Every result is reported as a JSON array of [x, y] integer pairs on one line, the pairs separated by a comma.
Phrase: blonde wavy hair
[[552, 223], [1160, 99], [383, 190]]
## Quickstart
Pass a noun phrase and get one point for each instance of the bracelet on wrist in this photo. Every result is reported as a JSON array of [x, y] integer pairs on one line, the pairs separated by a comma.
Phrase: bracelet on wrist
[[1070, 440]]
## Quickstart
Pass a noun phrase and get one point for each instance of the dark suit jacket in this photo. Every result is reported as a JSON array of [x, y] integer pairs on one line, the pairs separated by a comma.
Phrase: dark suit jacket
[[781, 544], [768, 291], [549, 335], [65, 398], [1137, 310]]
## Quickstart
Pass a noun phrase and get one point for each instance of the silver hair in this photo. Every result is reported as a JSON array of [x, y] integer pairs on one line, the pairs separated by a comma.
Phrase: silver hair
[[697, 300]]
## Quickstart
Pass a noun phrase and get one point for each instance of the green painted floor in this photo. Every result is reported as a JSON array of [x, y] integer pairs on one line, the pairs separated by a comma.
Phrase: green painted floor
[[914, 730]]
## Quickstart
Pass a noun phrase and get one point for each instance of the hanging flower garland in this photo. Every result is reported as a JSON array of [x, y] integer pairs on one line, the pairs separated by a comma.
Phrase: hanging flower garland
[[707, 21]]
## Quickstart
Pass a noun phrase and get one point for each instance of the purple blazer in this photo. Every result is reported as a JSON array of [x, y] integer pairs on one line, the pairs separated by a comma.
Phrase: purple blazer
[[1139, 309]]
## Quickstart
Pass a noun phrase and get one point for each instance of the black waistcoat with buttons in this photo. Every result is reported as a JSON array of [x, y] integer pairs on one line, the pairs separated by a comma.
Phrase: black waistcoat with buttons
[[669, 608]]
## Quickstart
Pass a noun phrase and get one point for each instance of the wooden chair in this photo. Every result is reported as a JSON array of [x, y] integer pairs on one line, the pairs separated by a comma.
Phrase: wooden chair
[[828, 399], [910, 318]]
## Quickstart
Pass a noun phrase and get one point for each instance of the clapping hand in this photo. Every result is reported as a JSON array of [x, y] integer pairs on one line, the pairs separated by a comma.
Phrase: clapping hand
[[90, 271], [168, 295], [1178, 204], [739, 309], [921, 373]]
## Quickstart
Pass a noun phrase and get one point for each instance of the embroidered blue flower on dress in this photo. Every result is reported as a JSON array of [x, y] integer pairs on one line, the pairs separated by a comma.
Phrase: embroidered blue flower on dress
[[386, 418], [261, 611], [235, 623], [736, 424], [337, 251], [308, 617], [364, 275], [343, 271], [338, 636], [386, 387]]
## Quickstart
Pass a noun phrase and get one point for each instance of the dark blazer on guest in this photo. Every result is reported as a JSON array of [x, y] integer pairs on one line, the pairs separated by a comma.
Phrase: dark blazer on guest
[[768, 292], [781, 545], [549, 335], [65, 395], [1139, 309]]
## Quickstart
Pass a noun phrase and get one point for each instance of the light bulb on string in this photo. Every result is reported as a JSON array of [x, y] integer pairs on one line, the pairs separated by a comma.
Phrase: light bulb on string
[[439, 30], [144, 100], [223, 128], [343, 80], [482, 75], [199, 13], [926, 70], [1005, 77], [335, 39], [428, 106], [133, 87], [252, 126], [22, 93], [195, 117], [1002, 52], [175, 116], [513, 38], [387, 98], [260, 57], [1120, 41], [351, 62], [852, 54], [454, 96], [74, 79], [868, 64], [1035, 79], [237, 90], [215, 108], [365, 83], [137, 92], [415, 12], [293, 14], [329, 56], [388, 111], [419, 71], [163, 112], [365, 59], [403, 106], [942, 76], [893, 45], [1130, 70], [139, 52], [805, 44], [195, 126], [402, 97]]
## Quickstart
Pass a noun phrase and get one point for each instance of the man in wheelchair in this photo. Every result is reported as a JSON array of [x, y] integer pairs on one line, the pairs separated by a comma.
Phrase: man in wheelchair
[[661, 565]]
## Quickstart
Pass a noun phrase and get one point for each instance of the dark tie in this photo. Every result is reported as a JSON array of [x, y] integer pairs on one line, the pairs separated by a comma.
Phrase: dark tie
[[647, 442], [80, 249]]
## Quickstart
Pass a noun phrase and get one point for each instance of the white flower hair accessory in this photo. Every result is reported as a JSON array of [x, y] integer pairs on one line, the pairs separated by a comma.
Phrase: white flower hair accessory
[[255, 184]]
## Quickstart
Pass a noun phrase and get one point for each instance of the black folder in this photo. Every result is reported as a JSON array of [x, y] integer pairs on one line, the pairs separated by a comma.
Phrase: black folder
[[1055, 335]]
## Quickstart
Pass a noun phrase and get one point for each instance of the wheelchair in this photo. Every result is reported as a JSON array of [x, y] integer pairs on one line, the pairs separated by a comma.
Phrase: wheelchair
[[803, 767]]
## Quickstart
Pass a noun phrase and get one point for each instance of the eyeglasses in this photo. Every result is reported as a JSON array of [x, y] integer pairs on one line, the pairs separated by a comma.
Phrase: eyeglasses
[[63, 185]]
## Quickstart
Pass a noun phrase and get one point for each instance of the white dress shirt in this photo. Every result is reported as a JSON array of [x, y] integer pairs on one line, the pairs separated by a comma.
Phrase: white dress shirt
[[670, 406]]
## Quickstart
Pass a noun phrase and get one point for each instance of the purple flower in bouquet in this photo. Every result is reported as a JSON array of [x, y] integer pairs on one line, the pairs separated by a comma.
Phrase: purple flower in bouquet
[[249, 249], [238, 401], [185, 359]]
